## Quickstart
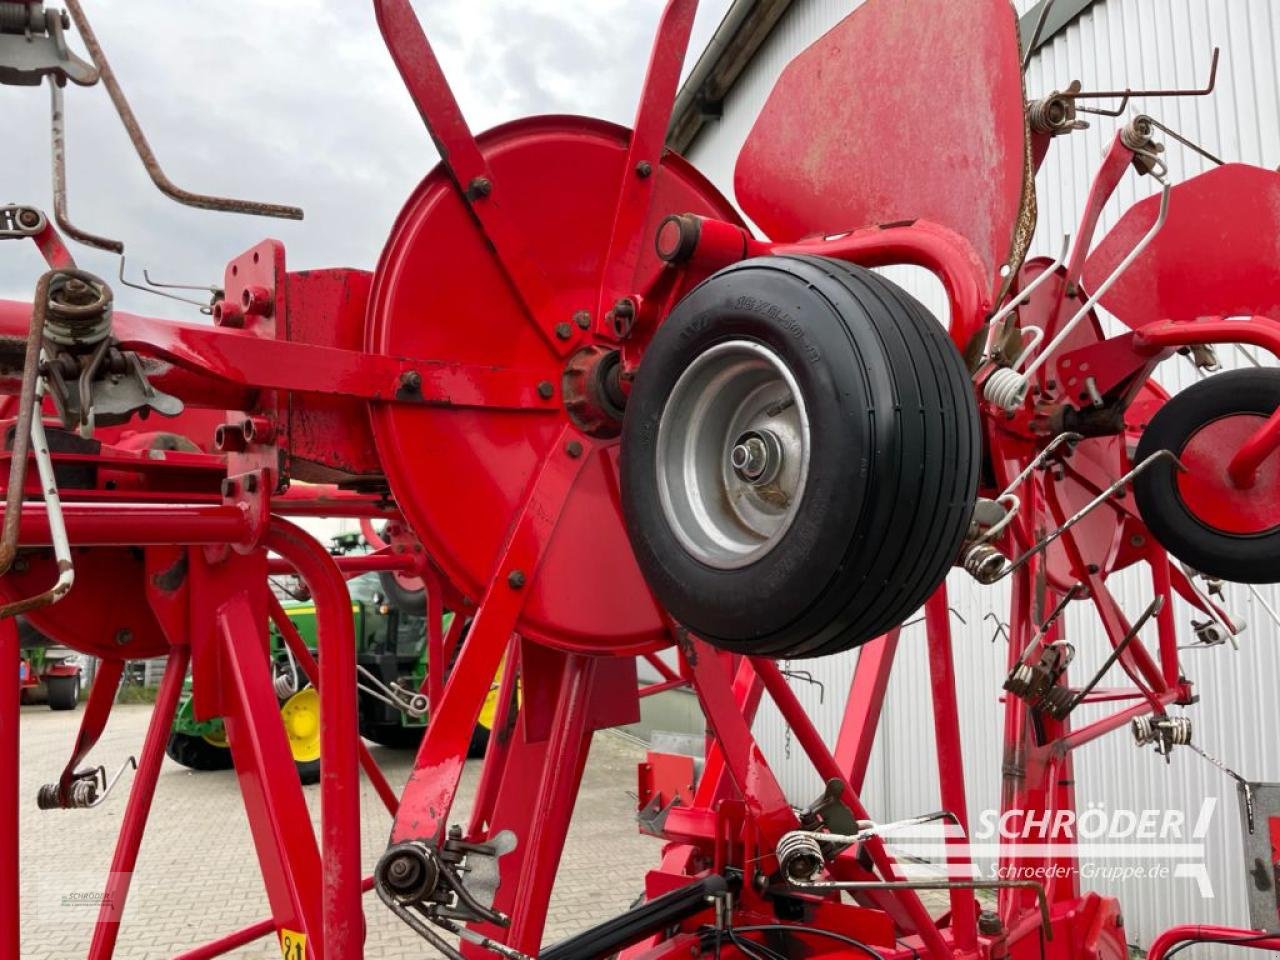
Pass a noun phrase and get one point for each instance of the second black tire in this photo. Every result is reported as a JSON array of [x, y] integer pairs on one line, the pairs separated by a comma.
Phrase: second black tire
[[1239, 557], [892, 467]]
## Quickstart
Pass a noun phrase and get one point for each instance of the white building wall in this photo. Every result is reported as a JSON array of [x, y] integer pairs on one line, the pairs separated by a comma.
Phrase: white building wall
[[1115, 44]]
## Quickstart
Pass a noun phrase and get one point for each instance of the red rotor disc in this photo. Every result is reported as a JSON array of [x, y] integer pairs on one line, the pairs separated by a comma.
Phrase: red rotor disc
[[462, 475], [1209, 493]]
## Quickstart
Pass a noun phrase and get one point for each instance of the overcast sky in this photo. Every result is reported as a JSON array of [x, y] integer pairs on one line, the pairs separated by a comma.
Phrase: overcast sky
[[297, 102]]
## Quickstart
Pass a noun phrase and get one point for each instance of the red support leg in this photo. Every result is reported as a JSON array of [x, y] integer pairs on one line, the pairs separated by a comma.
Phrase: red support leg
[[136, 811], [10, 697], [273, 800], [343, 917], [862, 708], [309, 666], [946, 726]]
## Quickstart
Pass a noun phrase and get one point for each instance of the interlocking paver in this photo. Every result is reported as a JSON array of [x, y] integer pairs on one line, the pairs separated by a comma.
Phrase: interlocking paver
[[197, 876]]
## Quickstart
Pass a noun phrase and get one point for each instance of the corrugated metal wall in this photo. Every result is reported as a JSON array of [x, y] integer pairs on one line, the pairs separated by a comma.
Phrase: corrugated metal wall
[[1116, 43]]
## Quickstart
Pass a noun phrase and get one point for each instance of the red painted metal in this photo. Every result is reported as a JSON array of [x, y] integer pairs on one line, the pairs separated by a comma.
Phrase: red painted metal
[[1218, 491], [449, 375], [862, 707], [280, 620], [1208, 259], [435, 263], [1207, 933], [10, 760], [829, 157], [1253, 454], [343, 917], [125, 859]]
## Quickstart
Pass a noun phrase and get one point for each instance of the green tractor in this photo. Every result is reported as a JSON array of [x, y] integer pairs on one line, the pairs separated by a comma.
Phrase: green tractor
[[391, 656]]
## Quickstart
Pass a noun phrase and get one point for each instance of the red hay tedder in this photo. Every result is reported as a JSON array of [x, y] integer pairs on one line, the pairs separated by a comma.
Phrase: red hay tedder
[[662, 427]]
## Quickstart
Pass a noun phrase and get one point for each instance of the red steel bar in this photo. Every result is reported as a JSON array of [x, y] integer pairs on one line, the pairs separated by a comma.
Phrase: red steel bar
[[1196, 933], [862, 708], [245, 935], [1243, 468], [343, 916], [553, 801], [495, 762], [136, 524], [288, 855], [138, 807], [10, 698], [309, 666], [815, 748], [354, 565], [946, 727]]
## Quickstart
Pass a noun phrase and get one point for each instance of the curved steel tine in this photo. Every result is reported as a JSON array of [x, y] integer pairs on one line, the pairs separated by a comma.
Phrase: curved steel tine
[[1102, 288], [1025, 293]]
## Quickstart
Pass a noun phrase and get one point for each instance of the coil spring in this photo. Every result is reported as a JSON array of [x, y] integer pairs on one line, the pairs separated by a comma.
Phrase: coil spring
[[1136, 134], [1006, 388], [1050, 114], [1020, 680], [1169, 731], [985, 563], [20, 17], [799, 855], [82, 793], [80, 307], [285, 684]]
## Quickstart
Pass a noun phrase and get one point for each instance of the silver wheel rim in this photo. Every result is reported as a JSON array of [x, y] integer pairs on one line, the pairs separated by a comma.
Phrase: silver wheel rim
[[733, 454]]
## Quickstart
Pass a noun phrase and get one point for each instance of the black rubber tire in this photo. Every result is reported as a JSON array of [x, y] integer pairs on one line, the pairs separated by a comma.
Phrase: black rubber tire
[[479, 743], [197, 753], [891, 482], [408, 738], [392, 735], [63, 692], [407, 601], [308, 772], [1241, 558]]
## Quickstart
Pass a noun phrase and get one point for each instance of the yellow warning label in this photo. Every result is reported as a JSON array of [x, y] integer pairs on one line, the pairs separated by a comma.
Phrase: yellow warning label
[[293, 945]]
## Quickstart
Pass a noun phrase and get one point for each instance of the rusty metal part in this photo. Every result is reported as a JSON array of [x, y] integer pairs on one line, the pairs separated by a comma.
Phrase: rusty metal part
[[593, 395], [1035, 36], [1125, 95], [1190, 144], [1055, 114], [22, 432], [58, 143], [147, 155], [19, 222]]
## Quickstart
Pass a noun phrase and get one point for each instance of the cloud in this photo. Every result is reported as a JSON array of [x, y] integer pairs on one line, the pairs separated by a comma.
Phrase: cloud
[[297, 103]]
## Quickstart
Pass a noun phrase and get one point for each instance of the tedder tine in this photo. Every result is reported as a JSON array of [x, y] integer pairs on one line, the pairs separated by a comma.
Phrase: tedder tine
[[644, 155]]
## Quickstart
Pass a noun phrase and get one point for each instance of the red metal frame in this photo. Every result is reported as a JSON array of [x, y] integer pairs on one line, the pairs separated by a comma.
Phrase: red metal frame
[[323, 376]]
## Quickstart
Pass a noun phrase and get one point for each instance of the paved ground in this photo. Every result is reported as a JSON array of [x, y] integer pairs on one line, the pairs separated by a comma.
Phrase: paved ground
[[197, 876]]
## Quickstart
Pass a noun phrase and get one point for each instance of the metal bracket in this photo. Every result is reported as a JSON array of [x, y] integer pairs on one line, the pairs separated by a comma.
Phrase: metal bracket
[[33, 46]]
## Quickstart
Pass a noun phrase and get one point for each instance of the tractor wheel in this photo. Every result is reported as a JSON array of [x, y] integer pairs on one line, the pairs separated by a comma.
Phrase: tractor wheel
[[196, 753], [1199, 515], [799, 457], [63, 692], [393, 735], [402, 597], [301, 715]]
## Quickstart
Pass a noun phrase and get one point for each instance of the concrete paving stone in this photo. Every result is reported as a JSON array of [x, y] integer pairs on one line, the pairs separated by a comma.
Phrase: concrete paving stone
[[197, 875]]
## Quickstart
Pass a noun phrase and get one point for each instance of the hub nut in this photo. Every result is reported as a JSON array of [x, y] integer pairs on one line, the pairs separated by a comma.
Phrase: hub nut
[[408, 872]]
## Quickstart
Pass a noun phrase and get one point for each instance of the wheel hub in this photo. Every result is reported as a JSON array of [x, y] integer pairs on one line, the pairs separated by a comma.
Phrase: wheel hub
[[733, 454]]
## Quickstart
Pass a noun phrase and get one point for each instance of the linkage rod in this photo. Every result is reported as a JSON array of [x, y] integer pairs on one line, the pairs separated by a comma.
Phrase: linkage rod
[[147, 155]]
